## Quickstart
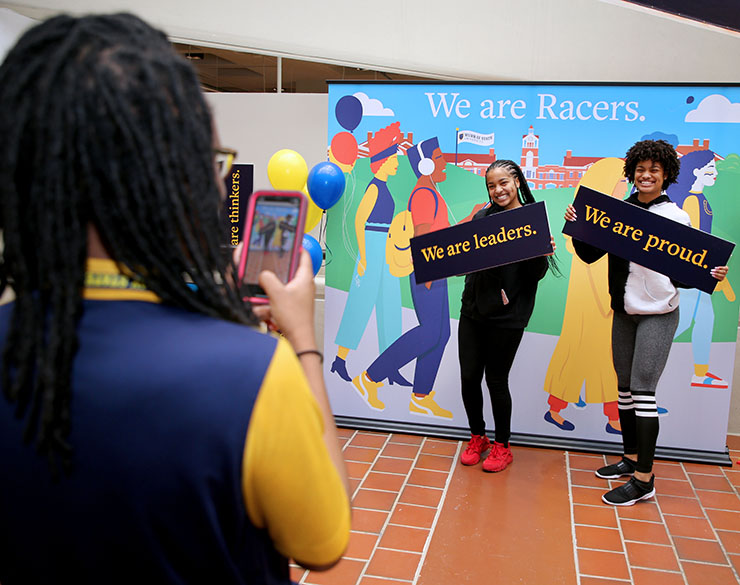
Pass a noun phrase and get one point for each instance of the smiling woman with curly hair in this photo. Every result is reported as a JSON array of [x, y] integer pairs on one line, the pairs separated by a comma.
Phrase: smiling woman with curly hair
[[657, 151], [645, 305]]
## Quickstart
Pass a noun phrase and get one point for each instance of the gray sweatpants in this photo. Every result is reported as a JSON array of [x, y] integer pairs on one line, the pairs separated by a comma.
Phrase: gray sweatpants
[[640, 348]]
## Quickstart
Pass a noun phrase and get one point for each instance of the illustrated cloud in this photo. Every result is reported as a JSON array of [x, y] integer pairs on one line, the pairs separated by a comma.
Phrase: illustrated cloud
[[372, 107], [715, 108]]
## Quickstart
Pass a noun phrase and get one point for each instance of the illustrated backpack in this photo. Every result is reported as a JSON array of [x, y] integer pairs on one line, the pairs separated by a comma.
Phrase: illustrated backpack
[[398, 244]]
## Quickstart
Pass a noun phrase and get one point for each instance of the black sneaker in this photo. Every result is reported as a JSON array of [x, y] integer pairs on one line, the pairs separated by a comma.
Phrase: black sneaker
[[631, 492], [615, 470]]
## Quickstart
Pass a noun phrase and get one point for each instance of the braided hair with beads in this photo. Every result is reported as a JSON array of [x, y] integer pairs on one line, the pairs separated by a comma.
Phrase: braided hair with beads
[[524, 194]]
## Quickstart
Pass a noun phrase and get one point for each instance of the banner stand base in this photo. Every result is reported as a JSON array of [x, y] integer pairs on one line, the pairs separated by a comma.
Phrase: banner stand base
[[529, 440]]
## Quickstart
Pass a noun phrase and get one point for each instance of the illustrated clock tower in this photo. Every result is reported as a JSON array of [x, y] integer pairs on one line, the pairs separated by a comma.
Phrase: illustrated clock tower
[[530, 154]]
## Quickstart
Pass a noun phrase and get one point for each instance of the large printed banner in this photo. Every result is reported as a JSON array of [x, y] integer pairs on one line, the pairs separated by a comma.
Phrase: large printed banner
[[683, 253], [415, 149], [500, 238]]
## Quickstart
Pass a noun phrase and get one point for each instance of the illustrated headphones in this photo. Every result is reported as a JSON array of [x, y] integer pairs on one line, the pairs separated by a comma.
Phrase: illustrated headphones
[[425, 164]]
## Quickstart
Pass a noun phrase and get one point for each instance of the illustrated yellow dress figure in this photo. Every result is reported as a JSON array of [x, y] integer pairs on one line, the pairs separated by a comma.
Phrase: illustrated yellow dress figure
[[583, 355]]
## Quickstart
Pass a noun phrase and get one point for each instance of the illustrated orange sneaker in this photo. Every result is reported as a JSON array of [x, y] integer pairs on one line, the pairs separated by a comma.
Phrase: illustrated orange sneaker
[[426, 405], [477, 445], [368, 391], [498, 459]]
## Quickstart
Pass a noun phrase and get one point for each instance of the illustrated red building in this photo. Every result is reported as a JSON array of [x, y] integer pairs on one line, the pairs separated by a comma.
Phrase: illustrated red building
[[551, 176], [547, 176], [407, 141], [683, 149], [475, 163]]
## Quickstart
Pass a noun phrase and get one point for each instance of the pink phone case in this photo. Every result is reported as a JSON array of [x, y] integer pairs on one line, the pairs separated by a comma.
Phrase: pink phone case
[[274, 196]]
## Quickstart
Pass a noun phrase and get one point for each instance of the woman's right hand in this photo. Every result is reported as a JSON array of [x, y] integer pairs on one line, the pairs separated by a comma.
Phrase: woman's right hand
[[570, 213], [291, 305]]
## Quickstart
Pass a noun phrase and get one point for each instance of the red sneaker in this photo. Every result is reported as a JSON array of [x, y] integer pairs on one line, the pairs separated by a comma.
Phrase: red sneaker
[[498, 459], [476, 446]]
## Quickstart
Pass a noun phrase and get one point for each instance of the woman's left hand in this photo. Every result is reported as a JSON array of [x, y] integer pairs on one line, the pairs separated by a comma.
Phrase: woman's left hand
[[552, 243]]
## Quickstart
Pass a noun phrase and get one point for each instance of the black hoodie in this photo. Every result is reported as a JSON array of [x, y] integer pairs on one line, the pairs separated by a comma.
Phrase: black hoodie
[[503, 295]]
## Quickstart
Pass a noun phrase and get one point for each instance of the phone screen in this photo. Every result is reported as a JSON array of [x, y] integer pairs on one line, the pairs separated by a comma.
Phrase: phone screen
[[272, 239]]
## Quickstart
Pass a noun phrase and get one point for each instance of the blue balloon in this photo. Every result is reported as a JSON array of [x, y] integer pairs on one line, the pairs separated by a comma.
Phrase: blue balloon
[[348, 112], [325, 184], [312, 246]]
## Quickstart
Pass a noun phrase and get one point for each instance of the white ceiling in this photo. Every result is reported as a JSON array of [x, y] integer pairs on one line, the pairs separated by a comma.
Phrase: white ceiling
[[527, 40]]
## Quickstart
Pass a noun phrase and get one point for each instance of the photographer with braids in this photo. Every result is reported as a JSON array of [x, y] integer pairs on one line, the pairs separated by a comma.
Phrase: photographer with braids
[[496, 306], [148, 430]]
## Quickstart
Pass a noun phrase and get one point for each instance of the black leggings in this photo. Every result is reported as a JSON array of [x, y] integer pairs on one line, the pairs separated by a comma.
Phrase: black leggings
[[640, 348], [485, 348]]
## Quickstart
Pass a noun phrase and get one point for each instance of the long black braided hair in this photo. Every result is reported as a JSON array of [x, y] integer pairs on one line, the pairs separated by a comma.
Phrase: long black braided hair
[[104, 125], [524, 194]]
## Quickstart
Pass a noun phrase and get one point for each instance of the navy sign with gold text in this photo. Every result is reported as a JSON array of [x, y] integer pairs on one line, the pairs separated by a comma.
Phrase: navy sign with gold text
[[239, 184], [500, 238], [680, 252]]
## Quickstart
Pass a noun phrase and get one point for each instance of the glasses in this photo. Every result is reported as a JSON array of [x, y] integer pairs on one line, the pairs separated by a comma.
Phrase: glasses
[[223, 158]]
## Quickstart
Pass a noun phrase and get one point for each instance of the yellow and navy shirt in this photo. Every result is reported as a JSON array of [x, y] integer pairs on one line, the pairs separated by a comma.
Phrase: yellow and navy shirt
[[198, 455]]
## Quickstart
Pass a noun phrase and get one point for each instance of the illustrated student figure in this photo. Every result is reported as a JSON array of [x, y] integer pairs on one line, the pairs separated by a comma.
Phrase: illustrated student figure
[[645, 305], [372, 284], [149, 431], [699, 170], [496, 306], [427, 341]]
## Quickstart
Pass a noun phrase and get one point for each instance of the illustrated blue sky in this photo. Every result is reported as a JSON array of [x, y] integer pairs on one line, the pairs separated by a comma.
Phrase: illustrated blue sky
[[589, 120]]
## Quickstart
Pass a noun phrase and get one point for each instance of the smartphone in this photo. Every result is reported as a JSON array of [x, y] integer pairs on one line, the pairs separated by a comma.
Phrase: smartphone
[[273, 239]]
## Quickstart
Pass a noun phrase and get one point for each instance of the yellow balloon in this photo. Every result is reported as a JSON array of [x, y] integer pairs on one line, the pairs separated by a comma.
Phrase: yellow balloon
[[287, 170], [313, 214]]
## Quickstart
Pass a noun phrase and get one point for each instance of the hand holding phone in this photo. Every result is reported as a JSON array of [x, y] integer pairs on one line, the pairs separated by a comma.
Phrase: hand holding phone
[[291, 305], [273, 238]]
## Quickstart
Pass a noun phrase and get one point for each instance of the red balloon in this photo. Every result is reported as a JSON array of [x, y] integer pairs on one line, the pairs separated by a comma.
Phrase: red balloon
[[344, 148]]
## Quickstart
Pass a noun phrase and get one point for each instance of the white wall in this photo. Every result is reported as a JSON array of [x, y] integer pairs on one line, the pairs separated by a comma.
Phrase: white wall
[[259, 124], [536, 40], [12, 25]]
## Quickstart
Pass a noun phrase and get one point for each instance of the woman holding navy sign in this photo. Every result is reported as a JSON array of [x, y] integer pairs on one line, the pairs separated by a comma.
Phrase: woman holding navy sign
[[496, 306], [645, 305]]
